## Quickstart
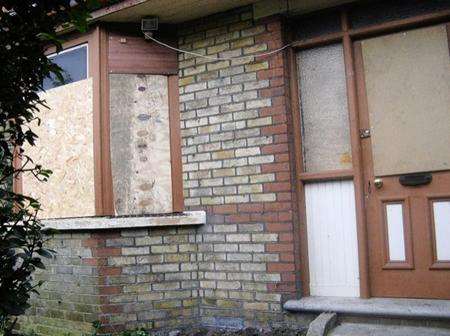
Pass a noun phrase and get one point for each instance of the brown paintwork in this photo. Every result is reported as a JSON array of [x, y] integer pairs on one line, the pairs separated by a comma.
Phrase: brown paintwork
[[424, 280], [318, 41], [106, 171], [356, 158], [129, 54], [175, 145], [298, 163], [94, 70], [409, 262], [377, 29], [339, 174], [291, 82], [435, 263], [401, 24]]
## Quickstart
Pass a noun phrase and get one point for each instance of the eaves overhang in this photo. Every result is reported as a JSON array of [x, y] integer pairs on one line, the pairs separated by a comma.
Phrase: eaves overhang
[[177, 11]]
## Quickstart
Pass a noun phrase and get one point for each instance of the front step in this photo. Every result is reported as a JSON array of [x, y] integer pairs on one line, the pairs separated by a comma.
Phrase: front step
[[375, 307], [376, 316], [363, 329]]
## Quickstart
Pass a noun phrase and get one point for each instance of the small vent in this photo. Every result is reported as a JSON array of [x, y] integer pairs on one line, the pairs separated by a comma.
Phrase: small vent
[[149, 24]]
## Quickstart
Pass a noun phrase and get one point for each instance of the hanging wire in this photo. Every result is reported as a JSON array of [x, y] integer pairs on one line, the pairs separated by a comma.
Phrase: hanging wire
[[150, 37]]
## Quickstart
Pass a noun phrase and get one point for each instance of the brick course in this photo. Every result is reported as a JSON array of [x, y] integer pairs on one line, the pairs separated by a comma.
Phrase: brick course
[[237, 167]]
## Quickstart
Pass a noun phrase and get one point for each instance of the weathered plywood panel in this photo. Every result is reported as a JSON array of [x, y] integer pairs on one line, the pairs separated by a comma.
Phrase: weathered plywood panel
[[65, 146], [408, 89], [140, 144], [325, 120], [332, 240]]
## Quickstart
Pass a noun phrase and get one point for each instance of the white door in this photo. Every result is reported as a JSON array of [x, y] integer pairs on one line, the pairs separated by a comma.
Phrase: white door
[[332, 240]]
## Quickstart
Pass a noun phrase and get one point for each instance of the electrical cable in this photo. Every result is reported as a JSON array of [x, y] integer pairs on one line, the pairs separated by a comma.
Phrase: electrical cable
[[148, 36]]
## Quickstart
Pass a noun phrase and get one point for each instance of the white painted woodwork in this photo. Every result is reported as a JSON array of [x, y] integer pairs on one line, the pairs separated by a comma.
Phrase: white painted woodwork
[[441, 212], [395, 230], [332, 239]]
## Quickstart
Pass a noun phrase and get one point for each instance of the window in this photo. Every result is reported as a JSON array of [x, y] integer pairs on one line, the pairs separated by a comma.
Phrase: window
[[73, 62], [323, 96]]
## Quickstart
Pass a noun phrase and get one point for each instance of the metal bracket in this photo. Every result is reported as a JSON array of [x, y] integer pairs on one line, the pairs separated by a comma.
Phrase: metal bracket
[[364, 133]]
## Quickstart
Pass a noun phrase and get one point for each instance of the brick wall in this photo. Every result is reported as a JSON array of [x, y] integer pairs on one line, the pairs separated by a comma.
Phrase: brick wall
[[237, 166], [124, 279], [69, 298], [240, 267]]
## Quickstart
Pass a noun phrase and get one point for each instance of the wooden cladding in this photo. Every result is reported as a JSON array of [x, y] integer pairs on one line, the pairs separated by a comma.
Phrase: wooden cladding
[[130, 54]]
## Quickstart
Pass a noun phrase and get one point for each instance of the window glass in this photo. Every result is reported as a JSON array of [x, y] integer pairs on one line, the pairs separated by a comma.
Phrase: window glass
[[324, 111], [73, 62]]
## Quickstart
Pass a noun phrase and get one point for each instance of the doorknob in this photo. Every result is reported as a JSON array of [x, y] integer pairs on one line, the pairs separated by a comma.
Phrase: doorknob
[[378, 183]]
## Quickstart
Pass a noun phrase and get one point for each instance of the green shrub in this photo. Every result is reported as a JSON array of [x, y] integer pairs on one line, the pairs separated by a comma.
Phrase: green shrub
[[27, 29]]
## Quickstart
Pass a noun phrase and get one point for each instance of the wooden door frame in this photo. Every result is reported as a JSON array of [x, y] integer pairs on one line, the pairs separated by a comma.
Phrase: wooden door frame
[[347, 36]]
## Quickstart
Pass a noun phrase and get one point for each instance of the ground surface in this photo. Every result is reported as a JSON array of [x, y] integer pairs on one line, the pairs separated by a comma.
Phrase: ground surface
[[244, 332]]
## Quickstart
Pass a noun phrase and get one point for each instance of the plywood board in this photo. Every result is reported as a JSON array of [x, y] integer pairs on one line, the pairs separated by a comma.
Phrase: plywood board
[[65, 146], [408, 88]]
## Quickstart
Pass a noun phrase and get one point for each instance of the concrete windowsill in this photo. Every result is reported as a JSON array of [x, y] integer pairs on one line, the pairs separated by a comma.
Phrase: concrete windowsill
[[380, 307], [126, 222]]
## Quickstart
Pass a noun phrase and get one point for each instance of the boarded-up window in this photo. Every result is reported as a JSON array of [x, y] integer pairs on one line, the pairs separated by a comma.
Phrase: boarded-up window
[[65, 146], [323, 96], [408, 90], [140, 144]]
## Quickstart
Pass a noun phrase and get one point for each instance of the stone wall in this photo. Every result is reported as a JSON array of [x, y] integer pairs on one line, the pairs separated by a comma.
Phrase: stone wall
[[69, 299], [237, 167]]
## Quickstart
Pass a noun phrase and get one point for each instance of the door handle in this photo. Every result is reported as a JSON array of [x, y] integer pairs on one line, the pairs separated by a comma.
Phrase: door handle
[[378, 183]]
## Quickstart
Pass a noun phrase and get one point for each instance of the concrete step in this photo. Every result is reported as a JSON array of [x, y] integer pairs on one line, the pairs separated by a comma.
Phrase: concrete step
[[374, 307], [366, 329]]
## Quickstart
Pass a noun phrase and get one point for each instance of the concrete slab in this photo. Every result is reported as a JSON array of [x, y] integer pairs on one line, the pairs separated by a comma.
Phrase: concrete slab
[[361, 329], [130, 222], [322, 324], [381, 307]]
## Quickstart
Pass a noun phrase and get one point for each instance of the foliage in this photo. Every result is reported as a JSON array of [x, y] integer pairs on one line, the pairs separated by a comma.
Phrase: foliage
[[27, 29]]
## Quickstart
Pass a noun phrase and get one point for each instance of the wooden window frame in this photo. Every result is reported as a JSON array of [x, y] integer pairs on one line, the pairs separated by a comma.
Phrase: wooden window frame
[[408, 263], [97, 40], [91, 39], [346, 36], [436, 264]]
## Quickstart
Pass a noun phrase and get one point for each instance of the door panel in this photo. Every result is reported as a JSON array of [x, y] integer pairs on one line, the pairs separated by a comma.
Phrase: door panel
[[404, 100], [332, 242]]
